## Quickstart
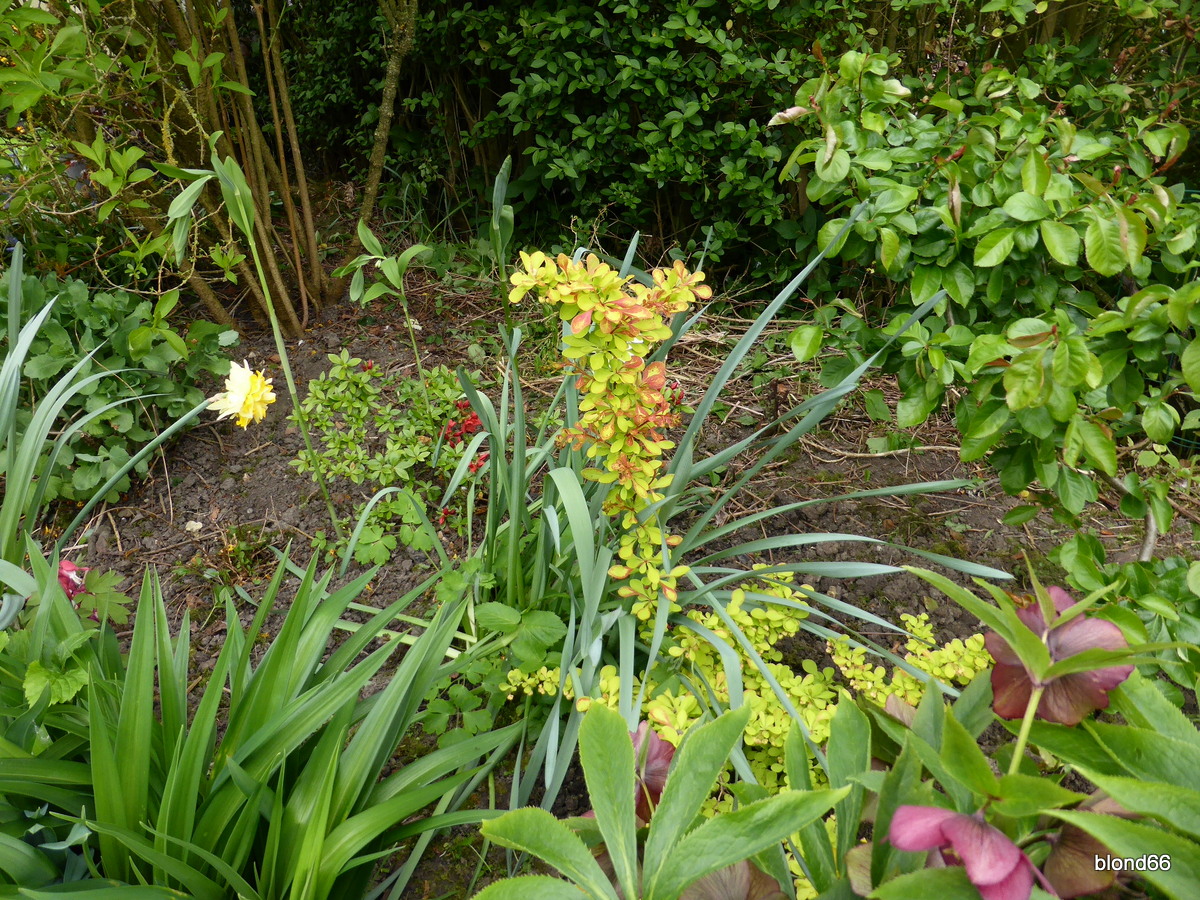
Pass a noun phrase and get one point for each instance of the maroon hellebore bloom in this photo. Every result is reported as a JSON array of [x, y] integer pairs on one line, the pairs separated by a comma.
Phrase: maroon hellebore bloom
[[994, 864], [652, 756], [1068, 698], [70, 578]]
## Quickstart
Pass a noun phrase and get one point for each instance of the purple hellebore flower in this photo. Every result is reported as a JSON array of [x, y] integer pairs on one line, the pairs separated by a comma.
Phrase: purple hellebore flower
[[1068, 698], [994, 864], [652, 757]]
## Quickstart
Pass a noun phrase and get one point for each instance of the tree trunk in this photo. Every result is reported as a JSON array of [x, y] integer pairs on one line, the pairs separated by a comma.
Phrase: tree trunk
[[402, 17]]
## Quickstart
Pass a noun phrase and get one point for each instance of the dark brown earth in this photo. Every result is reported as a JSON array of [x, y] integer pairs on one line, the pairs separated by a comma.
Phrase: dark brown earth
[[221, 486]]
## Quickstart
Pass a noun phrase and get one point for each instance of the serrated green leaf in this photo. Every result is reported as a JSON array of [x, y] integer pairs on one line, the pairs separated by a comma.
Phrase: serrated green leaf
[[964, 760], [543, 627], [950, 883], [1135, 839], [497, 617], [63, 684], [1027, 795]]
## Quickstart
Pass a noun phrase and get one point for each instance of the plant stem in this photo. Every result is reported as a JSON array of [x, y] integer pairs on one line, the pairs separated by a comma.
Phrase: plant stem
[[412, 339], [281, 349], [1035, 697]]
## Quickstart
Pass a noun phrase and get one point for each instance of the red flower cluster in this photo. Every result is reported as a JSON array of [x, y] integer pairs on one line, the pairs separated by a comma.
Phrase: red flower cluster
[[444, 513], [477, 463], [455, 431]]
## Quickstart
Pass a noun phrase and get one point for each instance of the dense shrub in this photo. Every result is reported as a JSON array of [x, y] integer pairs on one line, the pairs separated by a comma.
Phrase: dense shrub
[[649, 114]]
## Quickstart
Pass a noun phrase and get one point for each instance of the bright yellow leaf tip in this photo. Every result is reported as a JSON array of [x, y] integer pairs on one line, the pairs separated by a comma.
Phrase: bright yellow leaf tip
[[247, 395]]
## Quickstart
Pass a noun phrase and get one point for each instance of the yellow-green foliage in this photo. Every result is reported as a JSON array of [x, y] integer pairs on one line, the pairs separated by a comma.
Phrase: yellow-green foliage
[[813, 691], [954, 663], [614, 323]]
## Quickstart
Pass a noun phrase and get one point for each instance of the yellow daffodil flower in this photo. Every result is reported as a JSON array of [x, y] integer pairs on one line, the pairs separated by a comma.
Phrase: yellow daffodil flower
[[247, 395]]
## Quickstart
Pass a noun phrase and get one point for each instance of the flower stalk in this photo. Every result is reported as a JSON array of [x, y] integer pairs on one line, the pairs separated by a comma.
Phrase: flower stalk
[[1035, 698]]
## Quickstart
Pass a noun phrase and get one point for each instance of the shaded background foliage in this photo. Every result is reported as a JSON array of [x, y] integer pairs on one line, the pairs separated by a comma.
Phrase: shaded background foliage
[[649, 115]]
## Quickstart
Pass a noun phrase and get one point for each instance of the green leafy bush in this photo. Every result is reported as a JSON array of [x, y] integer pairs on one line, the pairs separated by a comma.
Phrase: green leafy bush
[[155, 368], [1037, 230], [384, 429]]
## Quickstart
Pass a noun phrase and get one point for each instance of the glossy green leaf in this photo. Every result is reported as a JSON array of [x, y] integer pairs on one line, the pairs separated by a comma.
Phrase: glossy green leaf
[[805, 342], [369, 241], [964, 760], [25, 864], [1062, 241], [1148, 755], [1027, 795], [959, 282], [848, 755], [1132, 233], [1025, 207], [994, 247], [694, 771], [889, 247], [950, 883], [926, 280], [1189, 362], [1102, 242], [1173, 806], [835, 168], [1035, 173], [530, 887], [731, 837]]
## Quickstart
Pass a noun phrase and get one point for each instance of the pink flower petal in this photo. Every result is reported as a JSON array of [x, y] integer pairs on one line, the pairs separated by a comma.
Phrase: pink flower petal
[[987, 854], [1061, 599], [1011, 688], [1069, 699], [917, 828], [1000, 650], [1082, 634], [1032, 617], [652, 757], [1017, 886]]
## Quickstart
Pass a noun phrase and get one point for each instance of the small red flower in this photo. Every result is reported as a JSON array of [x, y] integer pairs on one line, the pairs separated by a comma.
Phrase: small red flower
[[477, 463], [70, 577]]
